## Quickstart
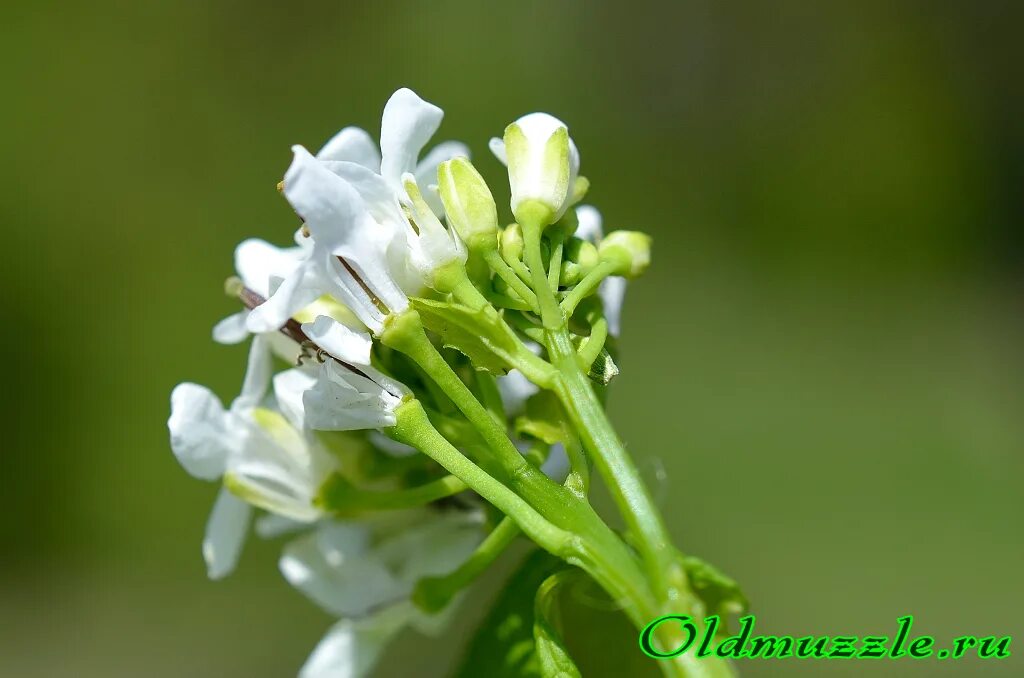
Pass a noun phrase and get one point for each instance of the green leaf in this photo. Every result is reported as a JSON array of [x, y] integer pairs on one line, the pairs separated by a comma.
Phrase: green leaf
[[720, 593], [504, 646], [555, 661], [544, 419], [480, 334]]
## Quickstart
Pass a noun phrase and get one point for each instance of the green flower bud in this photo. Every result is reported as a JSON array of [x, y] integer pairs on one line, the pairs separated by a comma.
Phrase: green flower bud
[[583, 253], [542, 167], [512, 243], [569, 274], [468, 203], [630, 250]]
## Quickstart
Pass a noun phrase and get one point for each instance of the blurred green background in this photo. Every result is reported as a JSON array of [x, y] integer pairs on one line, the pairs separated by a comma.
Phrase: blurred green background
[[822, 372]]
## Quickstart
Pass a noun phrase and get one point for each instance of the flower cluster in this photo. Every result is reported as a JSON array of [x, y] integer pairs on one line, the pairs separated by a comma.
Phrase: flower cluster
[[400, 410]]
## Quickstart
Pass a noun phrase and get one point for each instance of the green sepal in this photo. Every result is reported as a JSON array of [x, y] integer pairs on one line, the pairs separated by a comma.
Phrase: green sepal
[[479, 334], [719, 592]]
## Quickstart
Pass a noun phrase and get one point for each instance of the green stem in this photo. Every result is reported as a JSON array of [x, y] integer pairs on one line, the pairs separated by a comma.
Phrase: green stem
[[490, 395], [555, 265], [550, 313], [586, 413], [617, 469], [579, 476], [586, 287], [434, 593], [504, 272], [405, 333], [344, 499], [412, 427], [593, 344]]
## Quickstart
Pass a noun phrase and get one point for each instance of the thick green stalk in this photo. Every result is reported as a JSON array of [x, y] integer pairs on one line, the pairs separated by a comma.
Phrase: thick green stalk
[[405, 333], [412, 427], [599, 438], [617, 468]]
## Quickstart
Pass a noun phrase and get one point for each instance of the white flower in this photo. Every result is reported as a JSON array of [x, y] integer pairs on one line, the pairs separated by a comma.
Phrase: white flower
[[260, 456], [349, 395], [346, 259], [407, 125], [543, 164], [365, 572], [612, 290], [402, 194], [374, 235], [261, 267]]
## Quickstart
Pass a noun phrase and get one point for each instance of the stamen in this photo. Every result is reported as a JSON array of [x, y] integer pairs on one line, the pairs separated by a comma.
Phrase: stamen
[[408, 217], [381, 306], [293, 330]]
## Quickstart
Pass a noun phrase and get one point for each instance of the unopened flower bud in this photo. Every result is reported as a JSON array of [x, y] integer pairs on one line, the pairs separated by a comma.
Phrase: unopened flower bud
[[542, 167], [569, 274], [630, 250], [512, 243], [468, 203], [583, 253]]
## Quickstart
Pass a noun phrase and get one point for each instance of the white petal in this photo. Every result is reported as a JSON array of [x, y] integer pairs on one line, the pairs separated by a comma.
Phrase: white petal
[[225, 534], [345, 401], [279, 468], [426, 171], [231, 330], [257, 375], [271, 525], [434, 547], [200, 437], [351, 649], [289, 386], [340, 341], [406, 127], [329, 205], [352, 144], [333, 568], [293, 294], [341, 226], [257, 262], [497, 147], [378, 194], [612, 292], [590, 221]]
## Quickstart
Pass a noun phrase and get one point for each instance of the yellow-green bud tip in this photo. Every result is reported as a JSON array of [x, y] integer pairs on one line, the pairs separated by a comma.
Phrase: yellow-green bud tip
[[468, 203], [630, 250]]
